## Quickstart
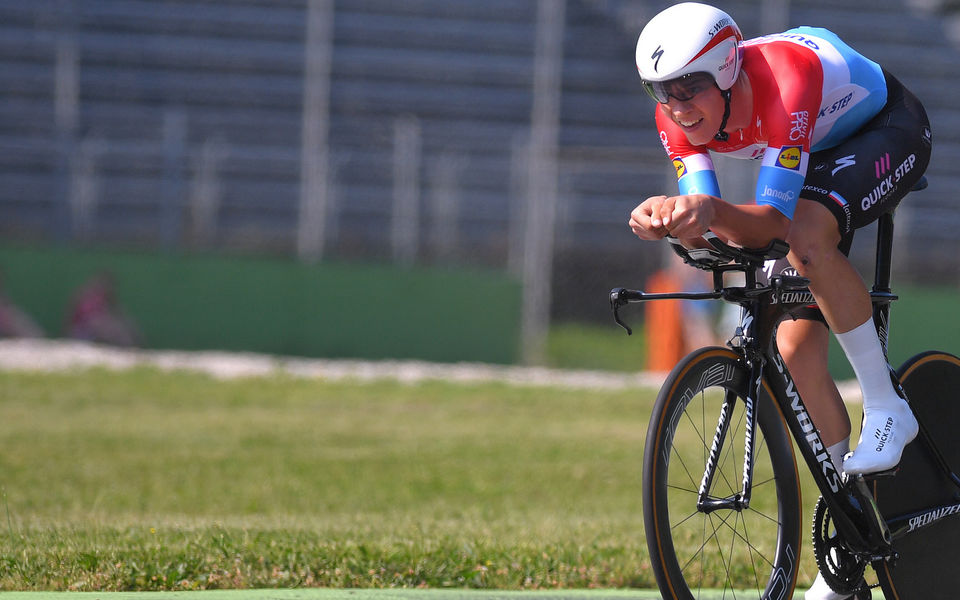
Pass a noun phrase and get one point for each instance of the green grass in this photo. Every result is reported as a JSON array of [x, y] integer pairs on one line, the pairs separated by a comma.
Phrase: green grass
[[601, 347], [143, 480]]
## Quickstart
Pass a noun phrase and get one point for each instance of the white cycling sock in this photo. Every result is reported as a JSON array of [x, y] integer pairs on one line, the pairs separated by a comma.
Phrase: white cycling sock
[[862, 347], [821, 591], [838, 451], [888, 425]]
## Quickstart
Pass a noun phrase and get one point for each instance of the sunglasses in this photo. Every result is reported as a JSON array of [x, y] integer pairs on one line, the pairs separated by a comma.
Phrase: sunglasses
[[682, 88]]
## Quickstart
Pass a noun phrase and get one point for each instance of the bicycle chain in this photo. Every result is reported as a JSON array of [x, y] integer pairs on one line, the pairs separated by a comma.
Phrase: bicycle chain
[[841, 569]]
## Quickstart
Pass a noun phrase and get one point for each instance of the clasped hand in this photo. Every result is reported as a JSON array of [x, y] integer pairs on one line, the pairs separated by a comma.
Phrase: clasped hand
[[680, 216]]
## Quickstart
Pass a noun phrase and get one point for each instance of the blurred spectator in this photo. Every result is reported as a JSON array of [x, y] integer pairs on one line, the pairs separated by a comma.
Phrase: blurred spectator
[[95, 314], [674, 328], [14, 321]]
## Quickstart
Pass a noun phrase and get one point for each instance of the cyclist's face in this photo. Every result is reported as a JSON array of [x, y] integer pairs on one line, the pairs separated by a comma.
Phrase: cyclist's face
[[696, 106]]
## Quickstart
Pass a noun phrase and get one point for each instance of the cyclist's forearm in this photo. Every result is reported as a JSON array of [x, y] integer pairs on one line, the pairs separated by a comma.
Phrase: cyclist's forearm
[[751, 226]]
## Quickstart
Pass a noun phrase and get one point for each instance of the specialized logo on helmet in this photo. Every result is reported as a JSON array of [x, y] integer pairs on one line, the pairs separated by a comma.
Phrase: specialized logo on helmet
[[719, 25], [790, 157], [680, 167], [655, 57]]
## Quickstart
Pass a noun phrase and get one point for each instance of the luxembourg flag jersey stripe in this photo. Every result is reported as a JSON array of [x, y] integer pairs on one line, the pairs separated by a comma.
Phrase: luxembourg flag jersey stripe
[[838, 198], [696, 162], [695, 175]]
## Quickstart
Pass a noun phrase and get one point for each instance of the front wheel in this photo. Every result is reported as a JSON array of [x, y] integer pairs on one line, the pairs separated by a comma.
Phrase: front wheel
[[754, 551]]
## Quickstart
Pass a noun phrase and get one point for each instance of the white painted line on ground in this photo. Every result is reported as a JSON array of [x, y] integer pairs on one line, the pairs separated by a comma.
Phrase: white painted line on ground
[[59, 355]]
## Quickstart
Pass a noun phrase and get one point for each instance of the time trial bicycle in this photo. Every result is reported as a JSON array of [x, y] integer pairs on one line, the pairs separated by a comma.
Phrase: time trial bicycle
[[721, 489]]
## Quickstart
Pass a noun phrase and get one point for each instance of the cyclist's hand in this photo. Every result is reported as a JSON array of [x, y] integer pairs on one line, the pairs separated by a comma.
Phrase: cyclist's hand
[[687, 216], [646, 221]]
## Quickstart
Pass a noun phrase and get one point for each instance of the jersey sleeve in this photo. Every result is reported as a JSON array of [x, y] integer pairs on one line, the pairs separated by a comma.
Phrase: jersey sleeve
[[789, 112], [694, 167], [781, 177]]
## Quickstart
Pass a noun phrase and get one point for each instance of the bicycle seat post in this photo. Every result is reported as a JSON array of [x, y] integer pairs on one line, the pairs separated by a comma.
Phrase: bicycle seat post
[[884, 264], [881, 293]]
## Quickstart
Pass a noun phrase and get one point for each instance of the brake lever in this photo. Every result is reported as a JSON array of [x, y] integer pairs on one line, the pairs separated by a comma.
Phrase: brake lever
[[616, 301]]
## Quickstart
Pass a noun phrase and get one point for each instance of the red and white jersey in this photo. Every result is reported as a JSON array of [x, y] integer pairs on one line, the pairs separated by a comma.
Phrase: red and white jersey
[[810, 92]]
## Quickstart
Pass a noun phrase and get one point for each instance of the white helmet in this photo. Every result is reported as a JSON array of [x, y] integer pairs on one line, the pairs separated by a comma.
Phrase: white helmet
[[689, 38]]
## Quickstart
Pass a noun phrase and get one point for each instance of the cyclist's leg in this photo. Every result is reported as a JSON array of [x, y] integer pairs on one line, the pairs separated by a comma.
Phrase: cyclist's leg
[[803, 344], [814, 240], [845, 303], [858, 181]]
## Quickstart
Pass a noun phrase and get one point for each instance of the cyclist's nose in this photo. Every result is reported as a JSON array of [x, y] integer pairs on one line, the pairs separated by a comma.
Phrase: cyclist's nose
[[680, 109]]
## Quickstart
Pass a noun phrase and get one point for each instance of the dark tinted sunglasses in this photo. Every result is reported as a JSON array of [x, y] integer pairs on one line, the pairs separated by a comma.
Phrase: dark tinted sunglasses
[[682, 88]]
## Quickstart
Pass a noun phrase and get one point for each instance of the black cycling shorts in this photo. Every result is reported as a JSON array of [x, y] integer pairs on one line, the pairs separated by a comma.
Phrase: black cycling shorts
[[868, 174]]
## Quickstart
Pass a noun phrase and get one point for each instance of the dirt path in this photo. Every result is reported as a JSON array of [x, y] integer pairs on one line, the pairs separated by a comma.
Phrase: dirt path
[[57, 355]]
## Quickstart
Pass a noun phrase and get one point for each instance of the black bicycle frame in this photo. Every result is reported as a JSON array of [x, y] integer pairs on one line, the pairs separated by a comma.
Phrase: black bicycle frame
[[853, 511], [852, 507]]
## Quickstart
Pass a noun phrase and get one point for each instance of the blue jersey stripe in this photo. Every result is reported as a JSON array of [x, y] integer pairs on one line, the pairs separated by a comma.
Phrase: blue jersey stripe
[[779, 188], [864, 73], [700, 182]]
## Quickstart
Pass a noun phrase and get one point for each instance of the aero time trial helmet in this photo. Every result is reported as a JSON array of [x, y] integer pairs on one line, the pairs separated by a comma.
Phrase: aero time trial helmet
[[685, 41]]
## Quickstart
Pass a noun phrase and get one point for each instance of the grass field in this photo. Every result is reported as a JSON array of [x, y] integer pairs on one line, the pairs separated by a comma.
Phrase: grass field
[[146, 480]]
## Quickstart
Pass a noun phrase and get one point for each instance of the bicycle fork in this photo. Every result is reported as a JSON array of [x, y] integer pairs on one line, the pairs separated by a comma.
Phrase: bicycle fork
[[741, 501]]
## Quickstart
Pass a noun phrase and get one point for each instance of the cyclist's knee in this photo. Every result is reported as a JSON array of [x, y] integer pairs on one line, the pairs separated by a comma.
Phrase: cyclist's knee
[[813, 238]]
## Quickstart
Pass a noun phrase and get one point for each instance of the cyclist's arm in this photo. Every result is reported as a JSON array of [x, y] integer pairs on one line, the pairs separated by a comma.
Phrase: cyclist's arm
[[749, 225], [699, 206], [754, 225]]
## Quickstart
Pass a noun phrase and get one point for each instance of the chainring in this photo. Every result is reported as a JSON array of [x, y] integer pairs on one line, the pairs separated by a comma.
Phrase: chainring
[[841, 569]]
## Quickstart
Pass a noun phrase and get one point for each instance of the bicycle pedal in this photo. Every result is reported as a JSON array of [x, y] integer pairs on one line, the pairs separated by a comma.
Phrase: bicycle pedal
[[892, 472]]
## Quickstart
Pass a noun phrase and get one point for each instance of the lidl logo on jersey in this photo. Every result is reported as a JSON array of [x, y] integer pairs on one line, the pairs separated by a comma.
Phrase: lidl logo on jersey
[[680, 167], [789, 157]]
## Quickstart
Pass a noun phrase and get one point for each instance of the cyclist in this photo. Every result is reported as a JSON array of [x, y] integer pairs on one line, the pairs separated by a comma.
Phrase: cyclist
[[841, 142]]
